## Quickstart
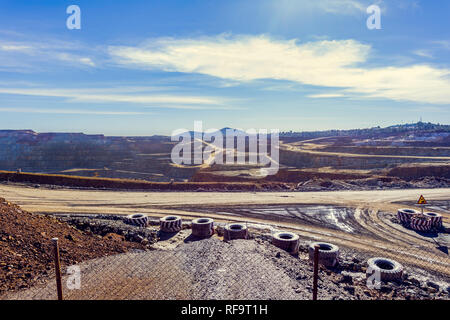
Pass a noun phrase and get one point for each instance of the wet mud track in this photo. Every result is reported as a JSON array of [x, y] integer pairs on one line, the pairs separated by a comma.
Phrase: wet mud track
[[369, 230]]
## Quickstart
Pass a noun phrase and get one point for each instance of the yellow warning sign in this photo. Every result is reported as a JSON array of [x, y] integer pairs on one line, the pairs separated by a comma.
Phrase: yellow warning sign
[[421, 200]]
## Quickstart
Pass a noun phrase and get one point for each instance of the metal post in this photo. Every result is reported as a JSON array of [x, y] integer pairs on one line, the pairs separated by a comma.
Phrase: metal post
[[57, 268], [316, 271]]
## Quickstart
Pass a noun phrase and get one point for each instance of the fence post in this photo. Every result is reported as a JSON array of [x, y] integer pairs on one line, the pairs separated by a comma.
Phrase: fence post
[[316, 271], [57, 268]]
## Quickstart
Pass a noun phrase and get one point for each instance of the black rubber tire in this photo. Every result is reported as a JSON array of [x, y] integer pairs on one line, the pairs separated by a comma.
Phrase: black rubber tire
[[405, 215], [421, 223], [436, 219], [287, 241], [203, 227], [137, 219], [328, 253], [389, 270], [170, 224], [235, 231]]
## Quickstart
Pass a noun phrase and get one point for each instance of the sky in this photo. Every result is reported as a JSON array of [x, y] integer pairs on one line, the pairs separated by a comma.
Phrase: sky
[[152, 67]]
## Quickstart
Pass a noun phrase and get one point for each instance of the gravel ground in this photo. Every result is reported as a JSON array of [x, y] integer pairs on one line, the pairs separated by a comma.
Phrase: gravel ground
[[214, 269]]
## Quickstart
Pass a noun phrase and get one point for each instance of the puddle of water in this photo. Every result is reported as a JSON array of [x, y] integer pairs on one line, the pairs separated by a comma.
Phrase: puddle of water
[[327, 216]]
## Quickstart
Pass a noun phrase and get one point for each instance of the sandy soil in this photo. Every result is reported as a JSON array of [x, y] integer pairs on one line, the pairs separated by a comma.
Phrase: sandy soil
[[95, 201]]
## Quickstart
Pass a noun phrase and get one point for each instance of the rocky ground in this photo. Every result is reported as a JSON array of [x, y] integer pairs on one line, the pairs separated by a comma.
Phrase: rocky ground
[[214, 269], [178, 266], [372, 184], [316, 184], [26, 248]]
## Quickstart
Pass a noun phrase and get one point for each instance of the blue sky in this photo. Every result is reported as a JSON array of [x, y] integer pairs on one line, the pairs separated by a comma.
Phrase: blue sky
[[150, 67]]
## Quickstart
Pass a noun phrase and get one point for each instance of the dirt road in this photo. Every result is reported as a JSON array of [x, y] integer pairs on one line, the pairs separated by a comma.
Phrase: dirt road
[[94, 201]]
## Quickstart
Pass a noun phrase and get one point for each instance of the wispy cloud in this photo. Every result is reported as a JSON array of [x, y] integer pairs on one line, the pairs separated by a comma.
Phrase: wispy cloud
[[14, 47], [326, 95], [33, 55], [423, 53], [444, 44], [70, 111], [337, 64], [290, 8], [125, 95], [342, 6], [71, 58]]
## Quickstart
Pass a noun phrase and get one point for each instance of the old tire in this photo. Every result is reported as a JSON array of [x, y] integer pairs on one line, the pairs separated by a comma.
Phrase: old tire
[[436, 219], [405, 215], [203, 227], [328, 253], [421, 223], [287, 241], [170, 224], [235, 231], [138, 219], [385, 269]]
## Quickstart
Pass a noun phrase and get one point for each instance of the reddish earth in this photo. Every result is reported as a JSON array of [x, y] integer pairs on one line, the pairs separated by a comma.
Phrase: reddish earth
[[409, 172], [283, 175], [128, 184], [26, 250]]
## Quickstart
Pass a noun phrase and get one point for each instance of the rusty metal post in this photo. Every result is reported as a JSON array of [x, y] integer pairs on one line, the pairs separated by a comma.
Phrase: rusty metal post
[[57, 268], [316, 271]]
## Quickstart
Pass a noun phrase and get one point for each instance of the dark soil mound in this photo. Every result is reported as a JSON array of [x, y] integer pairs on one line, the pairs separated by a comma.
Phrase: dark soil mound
[[26, 251]]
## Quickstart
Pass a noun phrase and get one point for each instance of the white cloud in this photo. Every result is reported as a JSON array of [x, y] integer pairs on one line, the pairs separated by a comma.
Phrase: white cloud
[[74, 59], [70, 111], [342, 6], [289, 9], [33, 55], [337, 64], [117, 95], [14, 47], [326, 95], [423, 53], [445, 44]]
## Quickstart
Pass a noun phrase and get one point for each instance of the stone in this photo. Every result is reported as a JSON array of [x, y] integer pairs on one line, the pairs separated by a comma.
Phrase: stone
[[415, 282], [69, 237], [301, 277], [433, 285], [350, 289], [346, 279], [386, 289]]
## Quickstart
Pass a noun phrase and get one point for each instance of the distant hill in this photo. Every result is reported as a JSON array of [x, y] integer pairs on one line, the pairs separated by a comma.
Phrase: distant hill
[[375, 131], [149, 157]]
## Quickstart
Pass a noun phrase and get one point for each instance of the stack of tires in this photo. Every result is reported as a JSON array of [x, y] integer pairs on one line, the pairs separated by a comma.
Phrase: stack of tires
[[328, 253], [436, 219], [138, 219], [405, 215], [170, 224], [421, 223]]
